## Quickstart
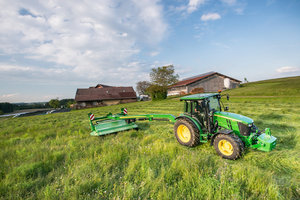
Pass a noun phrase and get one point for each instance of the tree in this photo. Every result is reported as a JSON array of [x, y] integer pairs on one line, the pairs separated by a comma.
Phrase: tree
[[157, 92], [163, 76], [142, 87], [54, 103]]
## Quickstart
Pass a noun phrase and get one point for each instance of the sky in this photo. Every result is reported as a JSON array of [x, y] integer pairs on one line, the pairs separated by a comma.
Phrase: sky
[[50, 48]]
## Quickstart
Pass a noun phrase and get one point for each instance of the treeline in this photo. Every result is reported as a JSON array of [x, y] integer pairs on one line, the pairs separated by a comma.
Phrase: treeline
[[11, 107], [6, 108], [23, 106]]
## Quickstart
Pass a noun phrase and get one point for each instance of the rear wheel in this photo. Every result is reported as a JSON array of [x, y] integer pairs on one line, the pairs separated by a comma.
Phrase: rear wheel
[[186, 133], [229, 146]]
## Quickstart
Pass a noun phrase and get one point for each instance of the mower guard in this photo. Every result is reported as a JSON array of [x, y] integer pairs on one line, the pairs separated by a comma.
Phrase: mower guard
[[112, 126], [265, 142]]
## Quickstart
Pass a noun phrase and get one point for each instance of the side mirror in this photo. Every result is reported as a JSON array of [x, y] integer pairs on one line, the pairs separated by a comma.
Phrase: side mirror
[[226, 108], [227, 97]]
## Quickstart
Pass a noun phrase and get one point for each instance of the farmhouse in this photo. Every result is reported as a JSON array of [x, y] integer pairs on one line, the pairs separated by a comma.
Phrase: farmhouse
[[104, 95], [208, 82]]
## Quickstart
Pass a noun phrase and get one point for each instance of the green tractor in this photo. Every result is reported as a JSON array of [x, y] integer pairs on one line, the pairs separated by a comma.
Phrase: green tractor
[[203, 120], [229, 133]]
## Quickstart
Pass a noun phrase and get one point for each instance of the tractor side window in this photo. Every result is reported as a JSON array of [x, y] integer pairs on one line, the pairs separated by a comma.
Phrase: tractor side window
[[187, 106], [200, 106], [214, 103], [195, 106]]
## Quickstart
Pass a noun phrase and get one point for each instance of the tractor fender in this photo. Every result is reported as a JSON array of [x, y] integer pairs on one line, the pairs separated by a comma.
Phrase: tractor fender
[[226, 132], [191, 119]]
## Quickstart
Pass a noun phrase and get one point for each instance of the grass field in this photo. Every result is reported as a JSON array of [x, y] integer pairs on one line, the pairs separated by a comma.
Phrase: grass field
[[275, 87], [53, 157]]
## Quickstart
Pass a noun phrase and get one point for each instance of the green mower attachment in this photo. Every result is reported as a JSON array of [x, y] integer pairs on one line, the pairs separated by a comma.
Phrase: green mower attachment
[[265, 142], [112, 123]]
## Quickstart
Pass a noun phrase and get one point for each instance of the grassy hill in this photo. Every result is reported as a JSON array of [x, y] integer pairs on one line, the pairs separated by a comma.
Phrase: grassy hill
[[53, 156], [275, 87]]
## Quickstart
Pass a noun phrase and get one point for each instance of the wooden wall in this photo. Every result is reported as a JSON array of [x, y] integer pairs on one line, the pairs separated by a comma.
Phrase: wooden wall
[[91, 104], [210, 84]]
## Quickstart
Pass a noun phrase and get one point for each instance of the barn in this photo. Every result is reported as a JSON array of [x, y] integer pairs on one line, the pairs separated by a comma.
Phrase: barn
[[208, 82], [103, 95]]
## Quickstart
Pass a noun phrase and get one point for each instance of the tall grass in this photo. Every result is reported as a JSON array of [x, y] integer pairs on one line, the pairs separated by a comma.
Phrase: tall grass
[[54, 157]]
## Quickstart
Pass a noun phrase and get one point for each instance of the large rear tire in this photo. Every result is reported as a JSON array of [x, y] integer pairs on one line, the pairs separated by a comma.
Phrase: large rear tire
[[229, 146], [186, 133]]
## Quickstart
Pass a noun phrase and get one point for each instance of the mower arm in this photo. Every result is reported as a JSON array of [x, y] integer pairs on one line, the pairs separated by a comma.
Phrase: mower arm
[[150, 117]]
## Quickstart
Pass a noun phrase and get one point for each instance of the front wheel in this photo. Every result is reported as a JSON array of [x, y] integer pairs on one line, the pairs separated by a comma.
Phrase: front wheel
[[229, 146], [186, 133]]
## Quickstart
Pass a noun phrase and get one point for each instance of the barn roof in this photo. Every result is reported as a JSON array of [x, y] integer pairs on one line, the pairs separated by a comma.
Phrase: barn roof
[[105, 93], [194, 79]]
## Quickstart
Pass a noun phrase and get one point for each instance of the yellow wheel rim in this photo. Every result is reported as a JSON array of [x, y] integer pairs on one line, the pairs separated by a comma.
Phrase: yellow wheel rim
[[225, 147], [184, 133]]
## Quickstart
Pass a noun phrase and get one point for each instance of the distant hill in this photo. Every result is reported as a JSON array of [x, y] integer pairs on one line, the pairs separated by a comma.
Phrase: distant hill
[[289, 86]]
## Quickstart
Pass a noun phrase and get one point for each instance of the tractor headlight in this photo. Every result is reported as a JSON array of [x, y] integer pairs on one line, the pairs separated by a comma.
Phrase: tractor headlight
[[252, 127]]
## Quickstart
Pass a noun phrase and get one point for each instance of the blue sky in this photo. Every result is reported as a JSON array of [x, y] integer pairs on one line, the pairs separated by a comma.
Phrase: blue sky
[[48, 49]]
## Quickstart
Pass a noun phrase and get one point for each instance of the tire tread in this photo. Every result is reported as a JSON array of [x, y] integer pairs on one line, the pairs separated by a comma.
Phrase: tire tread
[[193, 129], [237, 144]]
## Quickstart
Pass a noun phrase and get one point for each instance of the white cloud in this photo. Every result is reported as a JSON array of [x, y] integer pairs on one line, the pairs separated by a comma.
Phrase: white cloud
[[229, 2], [8, 67], [288, 69], [237, 6], [8, 95], [88, 40], [221, 45], [239, 11], [154, 53], [18, 97], [210, 16], [194, 5]]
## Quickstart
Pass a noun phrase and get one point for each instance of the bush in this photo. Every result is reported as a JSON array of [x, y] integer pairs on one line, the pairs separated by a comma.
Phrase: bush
[[54, 103], [182, 93], [197, 90], [157, 92]]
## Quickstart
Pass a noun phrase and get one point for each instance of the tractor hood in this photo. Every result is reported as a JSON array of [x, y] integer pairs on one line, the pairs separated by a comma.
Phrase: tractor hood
[[234, 117]]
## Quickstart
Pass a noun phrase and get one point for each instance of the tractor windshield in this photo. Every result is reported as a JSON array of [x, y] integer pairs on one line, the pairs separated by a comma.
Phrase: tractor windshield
[[214, 103]]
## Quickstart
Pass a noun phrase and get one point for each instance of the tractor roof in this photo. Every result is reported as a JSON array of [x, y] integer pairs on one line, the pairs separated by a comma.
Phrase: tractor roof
[[199, 96]]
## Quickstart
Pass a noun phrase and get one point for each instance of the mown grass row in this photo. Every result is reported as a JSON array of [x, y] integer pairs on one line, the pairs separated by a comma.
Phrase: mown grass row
[[53, 157]]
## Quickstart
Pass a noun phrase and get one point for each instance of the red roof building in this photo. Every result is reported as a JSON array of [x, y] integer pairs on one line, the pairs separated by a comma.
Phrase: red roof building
[[208, 82], [103, 95]]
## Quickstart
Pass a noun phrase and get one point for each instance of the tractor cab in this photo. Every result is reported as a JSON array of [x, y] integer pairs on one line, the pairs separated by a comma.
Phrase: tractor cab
[[202, 107]]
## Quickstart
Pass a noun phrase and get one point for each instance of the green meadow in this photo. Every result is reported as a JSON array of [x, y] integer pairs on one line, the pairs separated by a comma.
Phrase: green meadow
[[54, 157]]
